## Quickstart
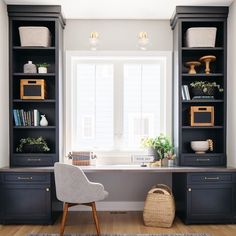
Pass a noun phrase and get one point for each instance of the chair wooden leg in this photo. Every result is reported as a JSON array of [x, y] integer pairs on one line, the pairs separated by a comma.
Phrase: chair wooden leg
[[63, 220], [95, 217]]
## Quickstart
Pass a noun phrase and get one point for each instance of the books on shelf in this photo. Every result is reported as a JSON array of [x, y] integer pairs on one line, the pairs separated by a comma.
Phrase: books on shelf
[[185, 92], [26, 118]]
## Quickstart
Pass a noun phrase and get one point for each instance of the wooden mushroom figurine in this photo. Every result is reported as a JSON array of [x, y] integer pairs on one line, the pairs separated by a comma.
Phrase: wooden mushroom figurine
[[207, 59], [191, 65]]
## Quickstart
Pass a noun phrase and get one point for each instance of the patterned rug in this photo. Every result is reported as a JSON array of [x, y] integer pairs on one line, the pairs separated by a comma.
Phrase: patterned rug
[[66, 234]]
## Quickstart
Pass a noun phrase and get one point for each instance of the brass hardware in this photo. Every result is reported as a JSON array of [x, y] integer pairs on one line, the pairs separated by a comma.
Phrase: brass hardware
[[36, 159], [47, 189], [212, 178], [189, 189], [24, 178], [203, 159]]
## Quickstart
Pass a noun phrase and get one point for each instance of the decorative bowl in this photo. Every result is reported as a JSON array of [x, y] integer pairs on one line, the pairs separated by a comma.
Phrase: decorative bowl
[[200, 147]]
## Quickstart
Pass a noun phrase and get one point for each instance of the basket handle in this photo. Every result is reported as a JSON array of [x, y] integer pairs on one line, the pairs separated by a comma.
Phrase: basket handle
[[163, 186], [159, 189]]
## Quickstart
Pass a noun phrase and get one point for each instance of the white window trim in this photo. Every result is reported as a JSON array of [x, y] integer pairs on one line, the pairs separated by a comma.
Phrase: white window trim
[[73, 56]]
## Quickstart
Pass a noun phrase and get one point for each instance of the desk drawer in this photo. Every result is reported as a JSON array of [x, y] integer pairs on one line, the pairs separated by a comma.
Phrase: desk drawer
[[22, 177], [32, 161], [201, 178]]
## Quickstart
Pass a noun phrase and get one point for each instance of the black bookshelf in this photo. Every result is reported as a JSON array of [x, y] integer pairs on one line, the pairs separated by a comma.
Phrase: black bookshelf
[[50, 17], [183, 18]]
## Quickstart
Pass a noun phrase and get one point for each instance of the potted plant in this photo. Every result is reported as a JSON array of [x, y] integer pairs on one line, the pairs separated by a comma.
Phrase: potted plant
[[160, 147], [42, 68], [32, 145], [205, 88]]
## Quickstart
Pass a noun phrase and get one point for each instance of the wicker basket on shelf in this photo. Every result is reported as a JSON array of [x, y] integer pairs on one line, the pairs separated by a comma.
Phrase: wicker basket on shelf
[[159, 208]]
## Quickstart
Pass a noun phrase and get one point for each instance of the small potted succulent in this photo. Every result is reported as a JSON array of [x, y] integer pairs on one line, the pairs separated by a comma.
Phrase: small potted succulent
[[32, 145], [160, 147], [205, 88], [42, 68]]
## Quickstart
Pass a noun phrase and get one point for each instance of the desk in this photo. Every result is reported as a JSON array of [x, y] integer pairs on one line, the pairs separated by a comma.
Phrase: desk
[[203, 195]]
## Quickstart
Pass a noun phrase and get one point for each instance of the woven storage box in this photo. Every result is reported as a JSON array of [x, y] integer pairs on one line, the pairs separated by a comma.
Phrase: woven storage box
[[159, 208], [201, 37], [35, 36]]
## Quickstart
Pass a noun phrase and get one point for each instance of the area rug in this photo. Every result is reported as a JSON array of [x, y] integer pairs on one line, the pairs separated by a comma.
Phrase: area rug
[[189, 234]]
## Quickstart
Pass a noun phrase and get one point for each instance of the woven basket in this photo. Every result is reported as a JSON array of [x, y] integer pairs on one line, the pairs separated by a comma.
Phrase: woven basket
[[159, 208]]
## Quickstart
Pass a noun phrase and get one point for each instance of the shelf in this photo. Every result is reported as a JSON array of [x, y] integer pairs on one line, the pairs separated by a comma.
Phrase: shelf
[[33, 48], [202, 155], [203, 127], [203, 75], [203, 101], [203, 49], [36, 74], [34, 100], [34, 127]]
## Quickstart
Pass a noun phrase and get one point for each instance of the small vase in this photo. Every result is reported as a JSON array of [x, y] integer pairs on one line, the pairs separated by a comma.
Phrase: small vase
[[170, 163], [43, 121], [30, 68], [42, 70]]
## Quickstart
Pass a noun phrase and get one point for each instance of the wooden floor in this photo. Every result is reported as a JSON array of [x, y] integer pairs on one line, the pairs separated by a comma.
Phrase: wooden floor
[[130, 222]]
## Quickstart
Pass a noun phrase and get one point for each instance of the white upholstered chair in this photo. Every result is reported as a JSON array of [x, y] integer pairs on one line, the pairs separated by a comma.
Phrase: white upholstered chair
[[74, 188]]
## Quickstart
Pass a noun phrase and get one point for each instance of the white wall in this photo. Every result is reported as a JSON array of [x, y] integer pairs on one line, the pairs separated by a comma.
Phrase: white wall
[[231, 95], [4, 108], [117, 34]]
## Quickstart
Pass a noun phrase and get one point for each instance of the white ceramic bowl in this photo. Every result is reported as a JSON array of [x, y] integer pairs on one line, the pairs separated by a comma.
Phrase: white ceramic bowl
[[200, 147]]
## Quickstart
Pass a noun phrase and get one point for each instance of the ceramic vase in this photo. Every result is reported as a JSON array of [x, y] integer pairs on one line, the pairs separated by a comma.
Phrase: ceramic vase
[[42, 70], [43, 121]]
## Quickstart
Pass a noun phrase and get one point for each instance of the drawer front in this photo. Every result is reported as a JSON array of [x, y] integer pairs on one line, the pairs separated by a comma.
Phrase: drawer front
[[201, 178], [32, 161], [202, 160], [23, 177]]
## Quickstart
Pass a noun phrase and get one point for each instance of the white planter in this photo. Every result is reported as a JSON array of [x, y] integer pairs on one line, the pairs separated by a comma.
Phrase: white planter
[[201, 37], [35, 36], [42, 70]]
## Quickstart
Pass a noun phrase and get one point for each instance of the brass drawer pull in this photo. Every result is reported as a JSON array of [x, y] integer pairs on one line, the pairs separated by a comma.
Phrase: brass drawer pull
[[203, 159], [24, 178], [31, 159], [212, 178]]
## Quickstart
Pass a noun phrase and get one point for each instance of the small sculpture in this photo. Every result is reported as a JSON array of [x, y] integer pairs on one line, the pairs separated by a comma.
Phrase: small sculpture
[[207, 59], [43, 121], [192, 65]]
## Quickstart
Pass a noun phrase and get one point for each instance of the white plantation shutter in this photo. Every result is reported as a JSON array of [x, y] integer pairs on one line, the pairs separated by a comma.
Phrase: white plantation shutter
[[141, 103], [94, 107]]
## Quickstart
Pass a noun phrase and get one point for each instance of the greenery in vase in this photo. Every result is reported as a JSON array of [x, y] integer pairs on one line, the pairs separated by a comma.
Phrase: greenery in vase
[[205, 85], [161, 144], [46, 65], [31, 141]]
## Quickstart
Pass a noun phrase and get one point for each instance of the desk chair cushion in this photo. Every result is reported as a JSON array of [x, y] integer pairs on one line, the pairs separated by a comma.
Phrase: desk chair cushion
[[73, 186]]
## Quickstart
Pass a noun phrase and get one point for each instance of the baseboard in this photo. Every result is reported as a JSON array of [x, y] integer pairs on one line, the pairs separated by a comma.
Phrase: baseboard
[[112, 206]]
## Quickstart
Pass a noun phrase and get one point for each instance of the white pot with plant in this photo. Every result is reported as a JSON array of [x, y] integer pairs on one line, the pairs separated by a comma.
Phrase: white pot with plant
[[43, 68], [161, 147]]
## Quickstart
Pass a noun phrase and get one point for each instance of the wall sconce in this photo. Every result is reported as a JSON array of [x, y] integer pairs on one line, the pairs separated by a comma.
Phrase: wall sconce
[[93, 40], [143, 40]]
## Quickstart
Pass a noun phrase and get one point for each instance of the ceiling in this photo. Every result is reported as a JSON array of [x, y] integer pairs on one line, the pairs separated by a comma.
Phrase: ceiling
[[120, 9]]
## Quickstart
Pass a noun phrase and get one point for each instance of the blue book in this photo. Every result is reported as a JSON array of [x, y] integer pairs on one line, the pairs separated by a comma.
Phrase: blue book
[[15, 117], [18, 117]]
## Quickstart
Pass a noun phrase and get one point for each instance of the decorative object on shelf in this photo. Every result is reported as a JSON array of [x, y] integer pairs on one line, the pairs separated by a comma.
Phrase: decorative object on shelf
[[43, 68], [192, 65], [200, 147], [207, 60], [202, 116], [26, 118], [143, 40], [201, 37], [37, 36], [94, 40], [205, 89], [33, 89], [32, 145], [159, 207], [30, 68], [158, 147], [43, 121], [185, 92]]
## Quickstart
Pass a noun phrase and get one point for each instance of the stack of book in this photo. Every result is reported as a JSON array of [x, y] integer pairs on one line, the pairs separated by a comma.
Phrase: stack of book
[[26, 118], [185, 92], [81, 158]]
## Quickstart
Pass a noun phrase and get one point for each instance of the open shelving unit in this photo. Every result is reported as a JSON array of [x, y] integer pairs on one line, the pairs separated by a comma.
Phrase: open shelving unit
[[50, 17], [183, 133]]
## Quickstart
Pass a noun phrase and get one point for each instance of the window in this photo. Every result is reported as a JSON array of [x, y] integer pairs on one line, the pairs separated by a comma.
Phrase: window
[[112, 102]]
